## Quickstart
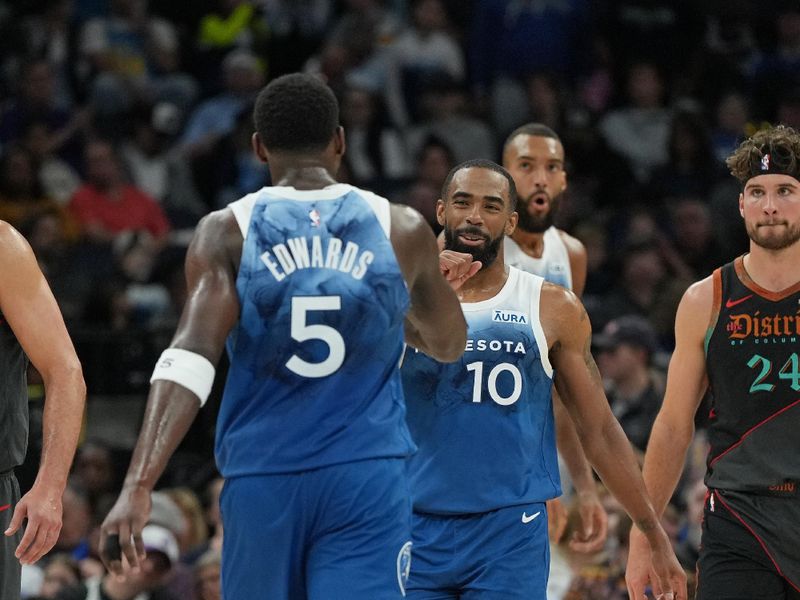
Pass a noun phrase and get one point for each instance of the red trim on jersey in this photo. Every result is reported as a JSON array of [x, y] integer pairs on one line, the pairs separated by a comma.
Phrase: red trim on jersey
[[759, 540], [749, 431], [6, 507], [744, 277]]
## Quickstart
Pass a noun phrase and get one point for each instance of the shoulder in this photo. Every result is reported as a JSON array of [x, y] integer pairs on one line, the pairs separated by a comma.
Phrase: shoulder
[[12, 245], [217, 236], [699, 296], [560, 301], [407, 223], [574, 246]]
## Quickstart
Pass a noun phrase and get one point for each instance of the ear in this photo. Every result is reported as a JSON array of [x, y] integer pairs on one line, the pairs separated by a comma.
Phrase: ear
[[259, 149], [440, 212], [741, 205], [511, 224], [339, 144]]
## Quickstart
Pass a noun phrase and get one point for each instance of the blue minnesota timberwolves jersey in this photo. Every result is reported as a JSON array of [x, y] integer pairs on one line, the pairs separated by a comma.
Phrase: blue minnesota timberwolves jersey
[[484, 425], [314, 377], [553, 265]]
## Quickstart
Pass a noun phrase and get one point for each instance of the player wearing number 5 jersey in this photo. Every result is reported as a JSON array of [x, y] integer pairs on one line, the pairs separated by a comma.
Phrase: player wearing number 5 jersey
[[737, 335], [486, 462], [315, 285]]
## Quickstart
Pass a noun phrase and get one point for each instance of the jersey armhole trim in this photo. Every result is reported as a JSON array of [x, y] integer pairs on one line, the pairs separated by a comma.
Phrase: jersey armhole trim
[[716, 278], [536, 325]]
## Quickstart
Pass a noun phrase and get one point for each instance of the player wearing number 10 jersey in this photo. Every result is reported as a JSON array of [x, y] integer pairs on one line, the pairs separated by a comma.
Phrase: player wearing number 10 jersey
[[314, 285], [486, 462]]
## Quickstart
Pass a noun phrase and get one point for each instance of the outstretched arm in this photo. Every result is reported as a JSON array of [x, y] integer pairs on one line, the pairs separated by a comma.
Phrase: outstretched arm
[[578, 382], [673, 429], [31, 310], [211, 310], [435, 323]]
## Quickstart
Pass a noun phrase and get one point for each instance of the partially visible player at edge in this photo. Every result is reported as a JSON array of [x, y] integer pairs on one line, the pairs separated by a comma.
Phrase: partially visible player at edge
[[534, 155], [484, 425], [736, 334], [31, 326], [313, 284]]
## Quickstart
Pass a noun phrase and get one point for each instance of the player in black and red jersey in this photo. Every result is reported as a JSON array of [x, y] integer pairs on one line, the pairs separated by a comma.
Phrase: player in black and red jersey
[[738, 334]]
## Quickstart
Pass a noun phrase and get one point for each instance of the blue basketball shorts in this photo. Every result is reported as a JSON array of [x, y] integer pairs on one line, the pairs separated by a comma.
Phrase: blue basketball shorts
[[498, 555], [336, 533]]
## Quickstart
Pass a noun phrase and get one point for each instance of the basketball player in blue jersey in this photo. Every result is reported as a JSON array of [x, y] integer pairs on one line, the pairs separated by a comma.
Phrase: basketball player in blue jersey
[[31, 326], [486, 459], [534, 156], [736, 335], [313, 284]]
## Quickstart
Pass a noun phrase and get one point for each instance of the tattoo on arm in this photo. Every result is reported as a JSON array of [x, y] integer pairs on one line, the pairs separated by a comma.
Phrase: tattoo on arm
[[590, 364]]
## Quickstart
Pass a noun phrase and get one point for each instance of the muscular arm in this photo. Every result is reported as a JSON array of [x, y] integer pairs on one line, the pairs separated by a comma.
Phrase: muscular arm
[[674, 426], [211, 310], [593, 516], [578, 382], [673, 429], [31, 310], [435, 323]]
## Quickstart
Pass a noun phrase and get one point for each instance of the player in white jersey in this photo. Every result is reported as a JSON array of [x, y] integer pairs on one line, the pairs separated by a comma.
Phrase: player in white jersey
[[534, 156], [484, 426]]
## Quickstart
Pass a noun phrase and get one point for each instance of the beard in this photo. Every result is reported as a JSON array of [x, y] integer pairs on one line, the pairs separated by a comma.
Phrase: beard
[[537, 223], [789, 236], [487, 253]]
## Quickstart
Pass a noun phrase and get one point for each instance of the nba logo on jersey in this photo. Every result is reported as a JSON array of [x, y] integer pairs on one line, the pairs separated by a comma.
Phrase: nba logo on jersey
[[765, 162], [315, 218], [404, 566]]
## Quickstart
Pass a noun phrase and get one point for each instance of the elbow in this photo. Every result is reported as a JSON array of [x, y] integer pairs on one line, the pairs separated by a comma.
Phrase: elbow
[[451, 348]]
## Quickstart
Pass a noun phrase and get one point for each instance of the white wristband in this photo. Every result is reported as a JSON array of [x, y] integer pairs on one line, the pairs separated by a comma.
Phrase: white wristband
[[189, 369]]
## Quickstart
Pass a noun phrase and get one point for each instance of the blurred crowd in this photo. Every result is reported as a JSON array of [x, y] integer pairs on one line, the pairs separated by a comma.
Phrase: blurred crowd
[[123, 122]]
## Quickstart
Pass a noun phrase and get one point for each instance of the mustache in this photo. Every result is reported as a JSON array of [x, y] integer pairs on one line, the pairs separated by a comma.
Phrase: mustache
[[773, 222], [531, 196], [471, 230]]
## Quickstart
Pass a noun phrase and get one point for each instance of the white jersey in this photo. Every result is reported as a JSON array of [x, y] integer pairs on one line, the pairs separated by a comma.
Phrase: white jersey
[[553, 265]]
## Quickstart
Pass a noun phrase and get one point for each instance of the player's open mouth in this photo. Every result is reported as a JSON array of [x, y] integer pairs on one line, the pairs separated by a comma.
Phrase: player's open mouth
[[471, 240], [540, 201]]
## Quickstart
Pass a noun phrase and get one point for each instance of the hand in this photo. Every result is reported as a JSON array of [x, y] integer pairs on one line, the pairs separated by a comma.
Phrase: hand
[[658, 566], [556, 520], [41, 506], [593, 525], [121, 532], [457, 267]]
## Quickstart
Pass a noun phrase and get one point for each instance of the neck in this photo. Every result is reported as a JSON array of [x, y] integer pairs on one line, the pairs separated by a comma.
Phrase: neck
[[773, 270], [302, 173], [530, 242], [486, 283]]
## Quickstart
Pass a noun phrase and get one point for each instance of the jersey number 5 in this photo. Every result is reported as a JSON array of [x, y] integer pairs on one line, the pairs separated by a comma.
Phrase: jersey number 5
[[302, 332]]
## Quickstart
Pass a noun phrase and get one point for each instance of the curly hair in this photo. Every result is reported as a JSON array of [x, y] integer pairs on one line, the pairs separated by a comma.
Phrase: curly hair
[[770, 151], [296, 113]]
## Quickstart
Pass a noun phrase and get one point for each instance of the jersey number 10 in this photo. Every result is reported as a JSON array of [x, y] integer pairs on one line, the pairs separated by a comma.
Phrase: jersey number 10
[[491, 383]]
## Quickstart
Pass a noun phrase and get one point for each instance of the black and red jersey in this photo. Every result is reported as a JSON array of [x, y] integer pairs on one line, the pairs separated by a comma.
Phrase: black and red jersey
[[753, 366], [13, 399]]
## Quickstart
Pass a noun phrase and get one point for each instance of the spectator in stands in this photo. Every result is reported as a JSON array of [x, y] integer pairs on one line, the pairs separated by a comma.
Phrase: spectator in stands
[[62, 571], [135, 57], [216, 117], [146, 584], [639, 130], [107, 205], [207, 572], [625, 349]]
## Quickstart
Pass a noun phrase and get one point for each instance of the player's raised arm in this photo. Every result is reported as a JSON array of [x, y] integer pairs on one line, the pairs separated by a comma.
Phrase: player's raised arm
[[578, 381], [434, 323], [181, 381], [673, 429], [30, 309]]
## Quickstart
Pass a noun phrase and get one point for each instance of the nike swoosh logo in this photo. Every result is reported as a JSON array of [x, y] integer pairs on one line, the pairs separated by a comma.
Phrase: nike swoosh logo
[[527, 519], [731, 303], [6, 507]]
